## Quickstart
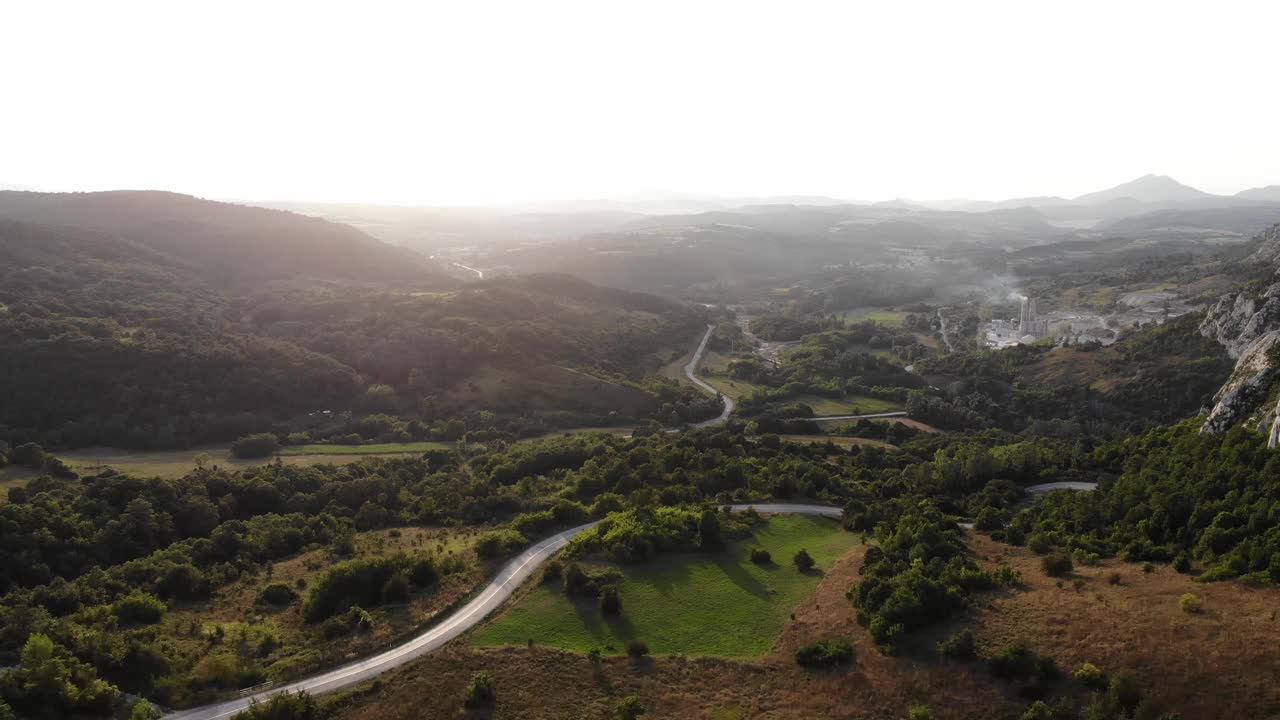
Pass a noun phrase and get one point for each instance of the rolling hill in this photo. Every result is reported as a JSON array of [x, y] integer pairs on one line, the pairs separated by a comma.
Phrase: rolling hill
[[225, 244]]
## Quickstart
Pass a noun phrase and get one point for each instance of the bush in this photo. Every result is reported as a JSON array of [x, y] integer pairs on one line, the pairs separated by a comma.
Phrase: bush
[[139, 609], [259, 445], [1018, 663], [499, 544], [1091, 676], [1114, 578], [961, 646], [1056, 565], [356, 582], [277, 594], [578, 582], [480, 691], [423, 573], [630, 708], [1189, 603], [552, 572], [1182, 563], [1124, 692], [825, 653], [803, 560], [284, 706], [637, 648], [395, 589], [919, 712], [761, 557], [1039, 544], [610, 603]]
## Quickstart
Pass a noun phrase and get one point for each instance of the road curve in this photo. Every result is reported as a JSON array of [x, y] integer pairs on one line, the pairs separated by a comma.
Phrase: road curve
[[691, 372], [497, 592]]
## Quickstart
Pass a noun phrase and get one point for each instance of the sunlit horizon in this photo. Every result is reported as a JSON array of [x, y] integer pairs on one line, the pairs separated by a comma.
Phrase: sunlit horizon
[[502, 103]]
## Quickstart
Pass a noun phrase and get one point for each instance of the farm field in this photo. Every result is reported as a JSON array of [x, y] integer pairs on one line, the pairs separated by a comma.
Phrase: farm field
[[375, 449], [843, 442], [176, 463], [688, 603], [888, 318]]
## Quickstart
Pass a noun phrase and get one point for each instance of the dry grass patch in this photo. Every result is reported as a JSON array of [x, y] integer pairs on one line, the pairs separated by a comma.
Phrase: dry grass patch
[[1222, 662]]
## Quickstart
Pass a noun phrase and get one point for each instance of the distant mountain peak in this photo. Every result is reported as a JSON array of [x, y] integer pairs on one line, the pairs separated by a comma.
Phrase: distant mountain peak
[[1149, 188]]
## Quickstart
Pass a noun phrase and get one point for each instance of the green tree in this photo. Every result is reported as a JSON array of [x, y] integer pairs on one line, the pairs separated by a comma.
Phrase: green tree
[[709, 531], [803, 560]]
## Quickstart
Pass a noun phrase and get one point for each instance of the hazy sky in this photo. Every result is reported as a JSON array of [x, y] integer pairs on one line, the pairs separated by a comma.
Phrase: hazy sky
[[468, 101]]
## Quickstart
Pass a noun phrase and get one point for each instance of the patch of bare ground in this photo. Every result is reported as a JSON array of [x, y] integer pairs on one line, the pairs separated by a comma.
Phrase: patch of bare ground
[[1220, 663], [544, 684]]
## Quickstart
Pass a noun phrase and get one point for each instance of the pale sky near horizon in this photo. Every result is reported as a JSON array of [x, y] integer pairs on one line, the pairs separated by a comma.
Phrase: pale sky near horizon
[[472, 101]]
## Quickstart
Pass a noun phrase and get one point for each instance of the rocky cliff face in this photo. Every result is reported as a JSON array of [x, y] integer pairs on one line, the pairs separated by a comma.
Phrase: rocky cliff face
[[1248, 325]]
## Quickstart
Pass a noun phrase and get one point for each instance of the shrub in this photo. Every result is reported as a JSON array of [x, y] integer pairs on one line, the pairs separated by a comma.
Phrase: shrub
[[1114, 578], [480, 691], [637, 648], [961, 646], [1018, 663], [139, 609], [919, 712], [1091, 676], [761, 557], [1124, 692], [1039, 544], [1056, 565], [284, 706], [277, 594], [825, 653], [395, 589], [1189, 603], [258, 445], [1182, 563], [630, 708], [610, 603], [355, 582], [552, 572], [578, 582], [1014, 535], [423, 573], [803, 560], [500, 544]]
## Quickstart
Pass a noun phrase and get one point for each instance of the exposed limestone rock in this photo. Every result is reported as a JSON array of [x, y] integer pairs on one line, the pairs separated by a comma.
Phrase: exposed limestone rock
[[1248, 325], [1248, 385]]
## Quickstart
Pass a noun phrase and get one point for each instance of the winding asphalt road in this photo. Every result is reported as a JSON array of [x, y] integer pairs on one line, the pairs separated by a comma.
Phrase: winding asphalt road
[[691, 372], [497, 592]]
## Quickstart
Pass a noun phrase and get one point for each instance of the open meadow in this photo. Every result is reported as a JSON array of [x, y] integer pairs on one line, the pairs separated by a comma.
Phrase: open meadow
[[688, 603]]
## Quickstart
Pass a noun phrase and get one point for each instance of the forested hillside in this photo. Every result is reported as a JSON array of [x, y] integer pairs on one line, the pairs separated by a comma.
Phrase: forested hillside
[[186, 321], [226, 244]]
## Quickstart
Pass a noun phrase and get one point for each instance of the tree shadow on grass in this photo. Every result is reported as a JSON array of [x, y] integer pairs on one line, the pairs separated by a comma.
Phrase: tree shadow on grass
[[743, 579]]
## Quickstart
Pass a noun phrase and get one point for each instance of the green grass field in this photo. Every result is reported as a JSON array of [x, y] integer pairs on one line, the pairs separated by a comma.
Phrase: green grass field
[[838, 441], [846, 405], [176, 463], [376, 449], [888, 318], [688, 603]]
